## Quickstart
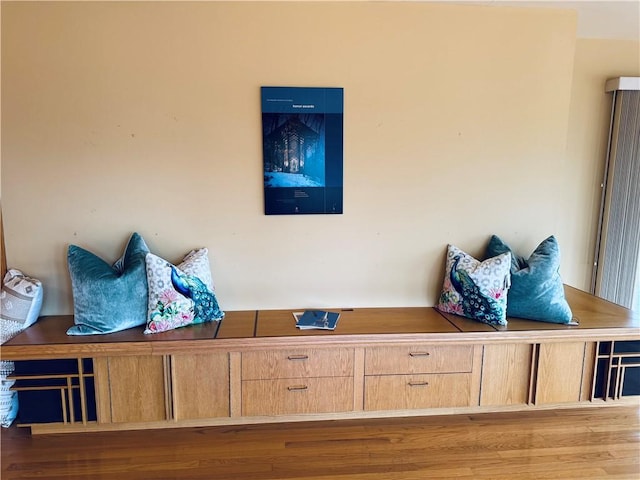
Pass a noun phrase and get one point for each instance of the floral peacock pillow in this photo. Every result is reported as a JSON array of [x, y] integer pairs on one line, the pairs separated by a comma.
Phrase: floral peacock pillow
[[476, 289], [180, 295]]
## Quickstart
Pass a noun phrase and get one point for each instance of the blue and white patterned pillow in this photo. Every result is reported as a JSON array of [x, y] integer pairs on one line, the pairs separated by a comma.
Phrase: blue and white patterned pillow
[[476, 289], [21, 301], [180, 295]]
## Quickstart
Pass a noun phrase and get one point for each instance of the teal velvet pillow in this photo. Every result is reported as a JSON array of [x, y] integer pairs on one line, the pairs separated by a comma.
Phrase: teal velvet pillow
[[536, 292], [107, 298]]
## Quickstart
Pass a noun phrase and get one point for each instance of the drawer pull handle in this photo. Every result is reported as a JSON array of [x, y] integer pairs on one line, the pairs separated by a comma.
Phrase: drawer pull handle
[[298, 357], [294, 388], [419, 354], [418, 384]]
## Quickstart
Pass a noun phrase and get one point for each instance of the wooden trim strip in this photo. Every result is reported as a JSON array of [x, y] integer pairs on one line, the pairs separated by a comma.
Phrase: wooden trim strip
[[63, 402], [42, 388], [72, 408], [476, 374], [617, 388], [358, 378], [48, 428], [533, 374], [46, 377], [235, 384], [83, 395], [174, 398], [255, 323], [168, 387], [605, 394], [102, 390], [588, 368], [595, 372], [623, 371]]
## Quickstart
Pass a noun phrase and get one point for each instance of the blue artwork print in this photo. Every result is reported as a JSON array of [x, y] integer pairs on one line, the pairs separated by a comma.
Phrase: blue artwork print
[[302, 131], [293, 150]]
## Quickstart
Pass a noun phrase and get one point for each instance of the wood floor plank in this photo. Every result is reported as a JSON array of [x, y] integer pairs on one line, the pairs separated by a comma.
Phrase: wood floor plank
[[592, 443]]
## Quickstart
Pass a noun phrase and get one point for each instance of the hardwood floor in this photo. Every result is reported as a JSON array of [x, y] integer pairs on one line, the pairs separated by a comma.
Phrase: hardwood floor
[[592, 443]]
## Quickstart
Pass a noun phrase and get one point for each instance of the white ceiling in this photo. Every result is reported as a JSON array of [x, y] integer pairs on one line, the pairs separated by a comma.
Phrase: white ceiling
[[615, 19]]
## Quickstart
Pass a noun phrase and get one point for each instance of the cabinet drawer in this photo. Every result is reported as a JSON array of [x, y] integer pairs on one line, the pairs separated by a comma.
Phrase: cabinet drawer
[[400, 392], [333, 362], [292, 396], [418, 359]]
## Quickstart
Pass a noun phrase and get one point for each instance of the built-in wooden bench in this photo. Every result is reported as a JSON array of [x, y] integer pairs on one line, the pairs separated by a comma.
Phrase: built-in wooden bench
[[256, 367]]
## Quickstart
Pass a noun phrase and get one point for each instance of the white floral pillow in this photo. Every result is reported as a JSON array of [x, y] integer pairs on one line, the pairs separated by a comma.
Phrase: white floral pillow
[[180, 295], [476, 289]]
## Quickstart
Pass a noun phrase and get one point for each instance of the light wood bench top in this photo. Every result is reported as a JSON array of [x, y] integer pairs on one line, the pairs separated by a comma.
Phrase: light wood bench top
[[597, 318]]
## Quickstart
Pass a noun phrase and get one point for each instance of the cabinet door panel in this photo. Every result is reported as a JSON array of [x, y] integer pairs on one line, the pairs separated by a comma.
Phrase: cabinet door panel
[[506, 374], [560, 368], [200, 385], [399, 392], [137, 388]]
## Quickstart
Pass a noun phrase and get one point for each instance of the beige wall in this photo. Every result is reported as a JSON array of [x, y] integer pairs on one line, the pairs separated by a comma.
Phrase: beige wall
[[145, 117], [596, 60]]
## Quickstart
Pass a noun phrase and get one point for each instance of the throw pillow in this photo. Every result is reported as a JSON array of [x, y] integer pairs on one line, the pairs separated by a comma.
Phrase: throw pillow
[[21, 301], [537, 292], [475, 289], [107, 298], [180, 295], [8, 398]]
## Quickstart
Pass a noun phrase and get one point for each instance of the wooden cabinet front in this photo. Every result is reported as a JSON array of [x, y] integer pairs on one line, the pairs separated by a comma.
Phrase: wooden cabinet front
[[418, 359], [200, 385], [400, 392], [420, 376], [297, 381], [297, 363], [131, 389], [296, 396], [379, 363], [560, 372], [506, 374]]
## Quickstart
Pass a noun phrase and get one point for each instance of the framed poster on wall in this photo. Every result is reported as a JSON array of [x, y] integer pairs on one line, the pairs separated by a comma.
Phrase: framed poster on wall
[[302, 130]]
